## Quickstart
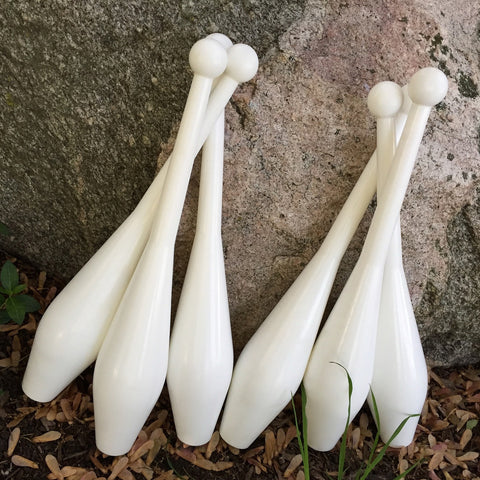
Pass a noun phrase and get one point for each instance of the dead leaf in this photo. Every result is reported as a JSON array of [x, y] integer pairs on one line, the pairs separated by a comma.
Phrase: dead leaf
[[5, 362], [49, 297], [466, 437], [280, 439], [252, 452], [89, 476], [212, 444], [54, 467], [435, 461], [66, 409], [20, 461], [13, 440], [42, 276], [15, 358], [120, 465], [295, 462], [300, 475], [355, 437], [50, 436], [186, 454], [126, 475], [469, 457], [98, 464], [142, 450], [290, 435], [24, 411], [270, 447]]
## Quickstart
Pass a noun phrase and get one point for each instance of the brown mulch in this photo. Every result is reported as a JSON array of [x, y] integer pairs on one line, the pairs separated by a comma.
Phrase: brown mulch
[[56, 440]]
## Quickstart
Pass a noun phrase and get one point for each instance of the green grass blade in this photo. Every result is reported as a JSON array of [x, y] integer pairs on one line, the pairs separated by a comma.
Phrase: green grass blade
[[377, 421], [409, 469], [343, 445], [382, 452], [299, 435]]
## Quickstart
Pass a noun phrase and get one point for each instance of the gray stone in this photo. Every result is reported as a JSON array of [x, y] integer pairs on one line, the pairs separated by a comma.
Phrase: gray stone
[[89, 98], [89, 90]]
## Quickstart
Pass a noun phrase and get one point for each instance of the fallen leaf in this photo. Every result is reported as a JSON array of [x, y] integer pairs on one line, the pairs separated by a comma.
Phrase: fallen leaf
[[66, 409], [270, 447], [212, 444], [42, 277], [435, 461], [295, 462], [5, 362], [252, 452], [280, 439], [466, 437], [54, 467], [50, 436], [290, 435], [20, 461], [469, 457], [126, 475], [120, 465], [13, 440], [142, 450], [300, 475]]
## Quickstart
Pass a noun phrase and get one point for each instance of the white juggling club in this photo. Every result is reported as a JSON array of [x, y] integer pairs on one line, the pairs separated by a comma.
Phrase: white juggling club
[[72, 329], [201, 350], [132, 362], [400, 379], [272, 364], [349, 335]]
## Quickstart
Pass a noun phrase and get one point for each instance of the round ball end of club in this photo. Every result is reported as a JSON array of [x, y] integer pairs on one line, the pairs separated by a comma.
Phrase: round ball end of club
[[221, 39], [385, 99], [208, 58], [428, 87], [242, 63]]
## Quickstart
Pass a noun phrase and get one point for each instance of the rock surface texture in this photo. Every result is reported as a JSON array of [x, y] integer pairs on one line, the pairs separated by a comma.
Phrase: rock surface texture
[[92, 91]]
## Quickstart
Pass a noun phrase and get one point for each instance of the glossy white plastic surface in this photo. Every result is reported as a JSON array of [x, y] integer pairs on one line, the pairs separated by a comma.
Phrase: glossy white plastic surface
[[400, 378], [348, 337], [132, 362], [271, 366], [72, 329], [201, 349]]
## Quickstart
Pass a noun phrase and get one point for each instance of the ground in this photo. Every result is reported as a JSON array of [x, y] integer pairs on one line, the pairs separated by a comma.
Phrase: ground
[[57, 440]]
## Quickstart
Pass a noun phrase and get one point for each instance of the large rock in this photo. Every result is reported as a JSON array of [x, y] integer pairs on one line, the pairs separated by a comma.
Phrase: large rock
[[90, 97], [89, 91]]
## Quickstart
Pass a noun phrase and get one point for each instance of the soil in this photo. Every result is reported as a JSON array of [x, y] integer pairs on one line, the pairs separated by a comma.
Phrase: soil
[[57, 440]]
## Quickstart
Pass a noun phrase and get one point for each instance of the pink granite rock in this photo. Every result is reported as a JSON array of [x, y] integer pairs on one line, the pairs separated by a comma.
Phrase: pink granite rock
[[299, 135]]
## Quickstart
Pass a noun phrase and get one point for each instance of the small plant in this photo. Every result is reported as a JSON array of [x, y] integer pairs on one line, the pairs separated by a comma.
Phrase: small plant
[[13, 304], [372, 461]]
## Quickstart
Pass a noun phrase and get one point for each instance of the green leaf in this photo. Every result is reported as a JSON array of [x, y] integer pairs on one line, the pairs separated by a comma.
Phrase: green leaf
[[28, 303], [5, 291], [299, 435], [409, 469], [19, 288], [382, 452], [343, 445], [2, 300], [9, 276], [377, 421], [15, 309], [3, 229], [306, 465], [4, 317], [471, 424]]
